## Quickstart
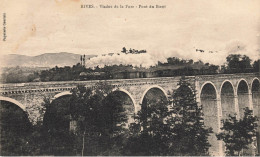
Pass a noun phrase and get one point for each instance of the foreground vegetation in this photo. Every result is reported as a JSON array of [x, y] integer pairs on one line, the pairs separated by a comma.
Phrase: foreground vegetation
[[239, 134]]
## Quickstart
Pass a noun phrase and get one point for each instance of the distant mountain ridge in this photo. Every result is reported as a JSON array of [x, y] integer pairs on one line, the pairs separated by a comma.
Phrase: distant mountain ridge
[[43, 60]]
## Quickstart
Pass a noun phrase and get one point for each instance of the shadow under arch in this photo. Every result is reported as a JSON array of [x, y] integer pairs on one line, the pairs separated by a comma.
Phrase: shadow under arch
[[129, 95], [59, 100], [208, 99], [17, 103], [211, 83], [58, 106], [224, 82], [54, 115], [15, 128], [242, 96], [255, 87], [255, 90], [56, 124], [13, 101], [242, 81], [255, 84], [125, 104], [227, 95], [153, 87]]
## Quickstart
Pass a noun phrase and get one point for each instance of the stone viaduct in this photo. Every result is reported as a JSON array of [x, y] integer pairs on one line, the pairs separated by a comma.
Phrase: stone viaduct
[[219, 95]]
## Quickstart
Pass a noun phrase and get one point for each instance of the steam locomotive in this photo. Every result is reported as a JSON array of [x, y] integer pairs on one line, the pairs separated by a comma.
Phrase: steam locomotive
[[131, 74]]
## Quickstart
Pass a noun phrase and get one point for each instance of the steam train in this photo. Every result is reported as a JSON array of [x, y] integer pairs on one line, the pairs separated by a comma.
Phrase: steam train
[[116, 75], [131, 74]]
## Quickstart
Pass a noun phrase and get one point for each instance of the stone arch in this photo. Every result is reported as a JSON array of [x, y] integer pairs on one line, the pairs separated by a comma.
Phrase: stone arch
[[15, 127], [61, 94], [54, 116], [255, 84], [208, 99], [130, 96], [187, 87], [227, 96], [14, 102], [242, 96], [151, 87], [227, 81], [242, 80], [190, 87], [126, 100], [255, 90], [208, 82], [57, 121]]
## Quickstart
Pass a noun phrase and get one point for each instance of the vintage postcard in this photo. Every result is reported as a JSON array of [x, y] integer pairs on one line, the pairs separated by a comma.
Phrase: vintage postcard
[[129, 77]]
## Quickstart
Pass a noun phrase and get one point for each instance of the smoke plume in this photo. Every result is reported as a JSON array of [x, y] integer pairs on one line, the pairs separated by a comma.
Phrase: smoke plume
[[215, 56]]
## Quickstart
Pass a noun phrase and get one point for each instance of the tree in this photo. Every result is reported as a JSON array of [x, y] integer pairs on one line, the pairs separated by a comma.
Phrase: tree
[[100, 120], [238, 63], [149, 132], [90, 121], [256, 65], [130, 51], [190, 136], [124, 50], [238, 134], [213, 69]]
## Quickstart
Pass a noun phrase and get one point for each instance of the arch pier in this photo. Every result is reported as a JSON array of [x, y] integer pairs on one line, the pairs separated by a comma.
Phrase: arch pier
[[256, 105]]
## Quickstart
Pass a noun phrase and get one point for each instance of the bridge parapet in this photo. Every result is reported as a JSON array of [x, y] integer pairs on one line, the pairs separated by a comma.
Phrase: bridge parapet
[[227, 76], [67, 85]]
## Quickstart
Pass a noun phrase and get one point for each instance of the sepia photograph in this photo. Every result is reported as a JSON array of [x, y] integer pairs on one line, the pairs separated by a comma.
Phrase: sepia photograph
[[129, 78]]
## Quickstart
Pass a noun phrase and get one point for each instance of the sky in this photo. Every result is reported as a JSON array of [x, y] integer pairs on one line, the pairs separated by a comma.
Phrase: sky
[[222, 26]]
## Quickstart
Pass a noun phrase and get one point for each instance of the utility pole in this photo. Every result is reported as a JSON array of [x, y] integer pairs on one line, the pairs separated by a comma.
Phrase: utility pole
[[84, 59], [81, 60]]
